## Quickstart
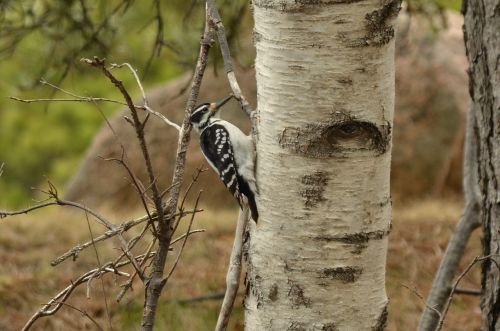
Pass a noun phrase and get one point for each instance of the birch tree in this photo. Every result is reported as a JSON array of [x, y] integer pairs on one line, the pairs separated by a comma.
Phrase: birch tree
[[325, 81], [482, 40]]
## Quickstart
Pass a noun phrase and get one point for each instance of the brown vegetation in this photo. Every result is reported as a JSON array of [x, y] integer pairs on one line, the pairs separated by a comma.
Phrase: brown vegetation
[[418, 238]]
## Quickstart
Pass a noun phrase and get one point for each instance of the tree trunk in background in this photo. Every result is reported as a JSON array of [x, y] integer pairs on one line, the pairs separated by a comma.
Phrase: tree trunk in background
[[442, 284], [325, 82], [482, 40]]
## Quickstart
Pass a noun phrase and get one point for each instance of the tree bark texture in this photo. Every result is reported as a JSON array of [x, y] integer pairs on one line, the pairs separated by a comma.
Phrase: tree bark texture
[[482, 40], [325, 89]]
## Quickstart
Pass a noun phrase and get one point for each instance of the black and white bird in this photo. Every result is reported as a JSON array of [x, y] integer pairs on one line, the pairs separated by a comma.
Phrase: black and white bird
[[229, 151]]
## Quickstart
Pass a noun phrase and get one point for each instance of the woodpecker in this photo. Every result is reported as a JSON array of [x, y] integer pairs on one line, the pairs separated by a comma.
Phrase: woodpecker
[[228, 151]]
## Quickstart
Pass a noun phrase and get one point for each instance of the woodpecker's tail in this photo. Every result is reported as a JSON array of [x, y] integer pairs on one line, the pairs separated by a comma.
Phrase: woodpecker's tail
[[253, 207], [250, 198]]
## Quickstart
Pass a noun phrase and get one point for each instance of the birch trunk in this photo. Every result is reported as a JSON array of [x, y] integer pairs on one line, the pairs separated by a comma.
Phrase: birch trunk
[[482, 40], [325, 81]]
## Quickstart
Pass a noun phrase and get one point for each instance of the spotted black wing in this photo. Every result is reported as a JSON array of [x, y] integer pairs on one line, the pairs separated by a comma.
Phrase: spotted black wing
[[217, 148]]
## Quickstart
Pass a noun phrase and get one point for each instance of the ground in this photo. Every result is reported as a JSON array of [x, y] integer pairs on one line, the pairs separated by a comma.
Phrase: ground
[[28, 243]]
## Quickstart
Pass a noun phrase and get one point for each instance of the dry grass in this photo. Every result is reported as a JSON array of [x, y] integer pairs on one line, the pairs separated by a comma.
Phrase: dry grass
[[28, 243]]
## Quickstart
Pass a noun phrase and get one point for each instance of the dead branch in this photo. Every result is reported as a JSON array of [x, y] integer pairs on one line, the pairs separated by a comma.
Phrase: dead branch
[[183, 242], [139, 129], [123, 227], [234, 272], [129, 282], [468, 291], [155, 283], [84, 313], [228, 64], [54, 304], [421, 297], [455, 285], [145, 101], [100, 266]]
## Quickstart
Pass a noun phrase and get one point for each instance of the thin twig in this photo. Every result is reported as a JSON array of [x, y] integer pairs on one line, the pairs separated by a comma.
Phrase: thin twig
[[99, 265], [145, 101], [184, 242], [228, 65], [455, 285], [83, 312], [129, 282], [421, 297], [54, 304], [123, 227]]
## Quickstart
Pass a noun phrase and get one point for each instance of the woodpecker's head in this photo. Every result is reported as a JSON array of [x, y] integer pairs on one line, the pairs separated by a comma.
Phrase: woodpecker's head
[[203, 113]]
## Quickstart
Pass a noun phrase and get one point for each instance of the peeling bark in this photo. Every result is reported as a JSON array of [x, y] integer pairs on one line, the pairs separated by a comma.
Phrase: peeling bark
[[325, 86]]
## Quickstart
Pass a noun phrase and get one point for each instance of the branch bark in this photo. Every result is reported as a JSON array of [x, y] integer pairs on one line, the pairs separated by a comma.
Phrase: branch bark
[[156, 282], [233, 272]]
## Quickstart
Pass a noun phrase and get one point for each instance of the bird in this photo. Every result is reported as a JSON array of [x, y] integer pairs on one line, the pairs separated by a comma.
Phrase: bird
[[229, 152]]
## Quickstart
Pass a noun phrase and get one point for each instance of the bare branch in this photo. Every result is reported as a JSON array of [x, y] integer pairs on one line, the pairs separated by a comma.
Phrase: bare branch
[[146, 106], [184, 242], [129, 282], [139, 129], [228, 64], [421, 297], [468, 291], [54, 304], [455, 285], [83, 312], [234, 272], [99, 265], [123, 227], [156, 283]]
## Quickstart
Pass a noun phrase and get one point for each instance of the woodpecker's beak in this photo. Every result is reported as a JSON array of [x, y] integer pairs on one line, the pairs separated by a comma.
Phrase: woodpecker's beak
[[215, 106]]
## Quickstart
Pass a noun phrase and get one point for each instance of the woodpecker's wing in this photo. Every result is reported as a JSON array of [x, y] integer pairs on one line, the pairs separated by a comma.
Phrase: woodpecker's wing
[[217, 148]]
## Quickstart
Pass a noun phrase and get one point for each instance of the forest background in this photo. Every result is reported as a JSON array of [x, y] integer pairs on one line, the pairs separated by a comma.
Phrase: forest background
[[49, 141]]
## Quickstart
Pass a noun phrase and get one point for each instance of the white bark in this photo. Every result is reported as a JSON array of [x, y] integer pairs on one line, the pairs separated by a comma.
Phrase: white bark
[[325, 81]]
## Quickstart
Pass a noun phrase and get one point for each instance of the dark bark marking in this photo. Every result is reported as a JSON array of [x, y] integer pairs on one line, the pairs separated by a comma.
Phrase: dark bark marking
[[296, 326], [358, 241], [329, 327], [296, 295], [296, 67], [344, 274], [273, 293], [313, 188], [344, 80], [253, 286], [299, 6], [257, 36], [378, 24], [381, 320], [337, 136]]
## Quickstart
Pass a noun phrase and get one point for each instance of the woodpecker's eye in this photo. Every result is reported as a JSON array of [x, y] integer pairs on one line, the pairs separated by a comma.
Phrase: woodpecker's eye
[[198, 113]]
